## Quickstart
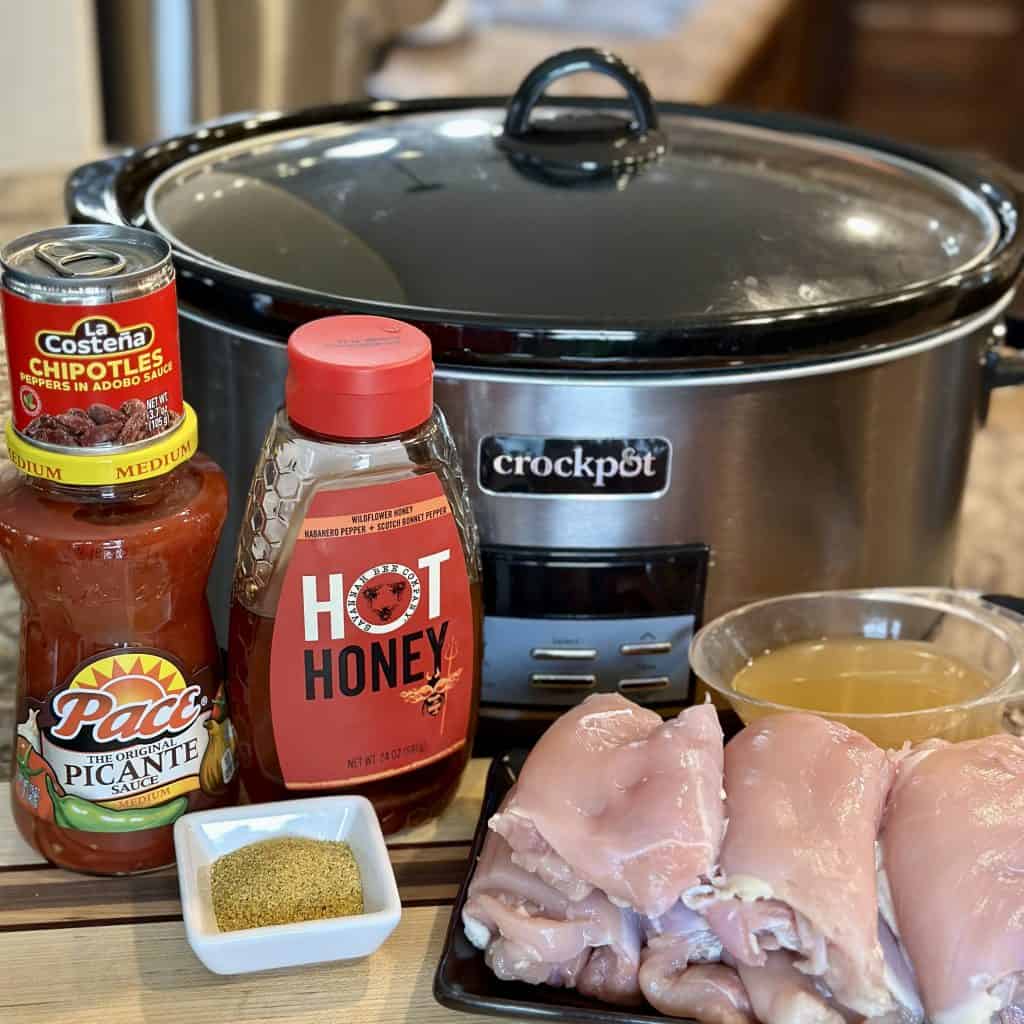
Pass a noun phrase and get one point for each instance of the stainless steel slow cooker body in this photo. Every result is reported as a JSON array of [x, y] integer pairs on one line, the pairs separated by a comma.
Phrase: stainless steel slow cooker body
[[672, 393]]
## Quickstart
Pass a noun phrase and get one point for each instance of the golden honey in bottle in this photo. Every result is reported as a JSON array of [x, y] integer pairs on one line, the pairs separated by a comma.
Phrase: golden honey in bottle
[[355, 639]]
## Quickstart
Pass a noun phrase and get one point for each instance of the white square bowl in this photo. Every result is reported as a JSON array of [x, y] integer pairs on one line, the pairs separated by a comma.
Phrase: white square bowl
[[200, 838]]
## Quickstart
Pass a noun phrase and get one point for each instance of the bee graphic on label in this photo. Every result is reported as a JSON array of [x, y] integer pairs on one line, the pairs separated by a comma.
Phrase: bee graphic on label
[[433, 696], [386, 600]]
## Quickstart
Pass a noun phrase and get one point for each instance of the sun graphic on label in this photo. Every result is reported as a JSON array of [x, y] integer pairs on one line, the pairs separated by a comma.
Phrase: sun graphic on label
[[130, 679]]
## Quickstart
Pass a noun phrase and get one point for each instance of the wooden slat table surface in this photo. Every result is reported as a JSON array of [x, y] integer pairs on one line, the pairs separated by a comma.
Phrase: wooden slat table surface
[[75, 949]]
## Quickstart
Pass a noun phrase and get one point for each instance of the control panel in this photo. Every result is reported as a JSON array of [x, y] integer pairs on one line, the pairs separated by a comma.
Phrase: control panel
[[561, 625]]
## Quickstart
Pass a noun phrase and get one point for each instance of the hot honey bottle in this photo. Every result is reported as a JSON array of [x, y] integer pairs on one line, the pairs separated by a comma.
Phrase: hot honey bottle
[[355, 640]]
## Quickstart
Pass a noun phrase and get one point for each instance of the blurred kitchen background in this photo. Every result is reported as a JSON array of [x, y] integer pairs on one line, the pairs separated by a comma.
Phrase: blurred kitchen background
[[86, 76], [91, 73]]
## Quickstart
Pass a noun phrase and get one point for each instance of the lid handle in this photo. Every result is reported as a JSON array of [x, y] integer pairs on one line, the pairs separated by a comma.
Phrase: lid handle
[[588, 144], [571, 62]]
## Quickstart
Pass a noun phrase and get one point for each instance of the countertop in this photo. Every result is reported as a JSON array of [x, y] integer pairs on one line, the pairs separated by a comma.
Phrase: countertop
[[83, 950], [991, 549]]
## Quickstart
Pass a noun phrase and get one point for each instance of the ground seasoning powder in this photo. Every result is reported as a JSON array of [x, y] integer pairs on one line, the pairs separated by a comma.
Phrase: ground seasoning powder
[[280, 881]]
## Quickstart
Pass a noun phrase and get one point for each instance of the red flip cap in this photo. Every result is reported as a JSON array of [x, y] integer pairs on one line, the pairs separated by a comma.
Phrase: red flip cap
[[359, 377]]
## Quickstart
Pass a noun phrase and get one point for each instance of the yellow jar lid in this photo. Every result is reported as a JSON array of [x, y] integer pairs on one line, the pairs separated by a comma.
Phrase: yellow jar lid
[[98, 467]]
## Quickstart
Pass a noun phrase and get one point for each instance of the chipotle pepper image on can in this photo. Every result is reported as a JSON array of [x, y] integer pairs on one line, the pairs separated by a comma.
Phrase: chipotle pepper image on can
[[91, 326]]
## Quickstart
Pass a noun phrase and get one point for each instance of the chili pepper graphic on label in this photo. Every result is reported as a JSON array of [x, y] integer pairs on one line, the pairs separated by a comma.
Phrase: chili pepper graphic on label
[[73, 812], [23, 769]]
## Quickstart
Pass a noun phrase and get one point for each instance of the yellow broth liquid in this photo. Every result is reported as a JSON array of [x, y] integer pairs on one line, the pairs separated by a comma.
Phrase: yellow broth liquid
[[856, 676]]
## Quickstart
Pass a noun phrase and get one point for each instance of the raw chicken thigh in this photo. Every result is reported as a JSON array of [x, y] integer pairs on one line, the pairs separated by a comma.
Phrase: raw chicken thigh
[[605, 870], [804, 801], [953, 860], [531, 932], [680, 974], [614, 798], [779, 991]]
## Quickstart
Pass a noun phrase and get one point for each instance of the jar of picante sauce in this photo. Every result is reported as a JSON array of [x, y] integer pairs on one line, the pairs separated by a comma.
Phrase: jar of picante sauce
[[121, 719], [355, 639]]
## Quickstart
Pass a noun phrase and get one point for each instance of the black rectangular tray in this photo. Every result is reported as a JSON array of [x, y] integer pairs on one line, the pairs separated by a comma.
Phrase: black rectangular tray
[[464, 982]]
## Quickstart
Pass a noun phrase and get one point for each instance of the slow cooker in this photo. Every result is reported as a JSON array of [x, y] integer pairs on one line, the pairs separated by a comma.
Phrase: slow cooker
[[692, 357]]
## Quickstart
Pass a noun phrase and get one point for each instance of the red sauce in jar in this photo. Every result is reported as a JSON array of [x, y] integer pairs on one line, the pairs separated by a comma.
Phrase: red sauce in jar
[[122, 716]]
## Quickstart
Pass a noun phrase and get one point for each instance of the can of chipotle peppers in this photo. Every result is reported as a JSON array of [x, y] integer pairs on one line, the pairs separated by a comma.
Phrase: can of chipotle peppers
[[91, 323]]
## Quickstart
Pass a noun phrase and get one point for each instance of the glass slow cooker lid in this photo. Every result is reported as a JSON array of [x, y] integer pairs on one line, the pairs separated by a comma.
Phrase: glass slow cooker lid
[[427, 211], [554, 232]]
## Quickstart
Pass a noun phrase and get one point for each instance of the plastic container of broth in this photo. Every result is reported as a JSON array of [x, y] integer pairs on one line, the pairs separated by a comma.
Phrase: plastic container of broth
[[895, 664]]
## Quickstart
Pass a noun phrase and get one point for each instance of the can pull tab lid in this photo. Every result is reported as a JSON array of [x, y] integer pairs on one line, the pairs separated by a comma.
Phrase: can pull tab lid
[[63, 256]]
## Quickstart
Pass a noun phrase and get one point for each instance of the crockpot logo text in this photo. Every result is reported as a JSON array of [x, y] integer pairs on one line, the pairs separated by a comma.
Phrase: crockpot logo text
[[619, 467], [579, 465]]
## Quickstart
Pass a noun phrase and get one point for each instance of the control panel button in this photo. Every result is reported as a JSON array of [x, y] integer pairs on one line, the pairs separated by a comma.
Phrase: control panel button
[[646, 647], [562, 681], [515, 666], [643, 684], [564, 653]]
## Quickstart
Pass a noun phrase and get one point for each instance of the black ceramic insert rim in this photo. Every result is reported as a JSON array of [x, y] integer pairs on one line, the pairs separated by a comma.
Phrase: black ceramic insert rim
[[113, 191]]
